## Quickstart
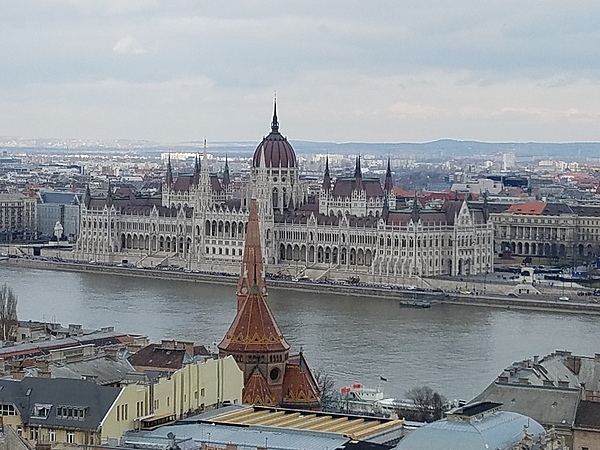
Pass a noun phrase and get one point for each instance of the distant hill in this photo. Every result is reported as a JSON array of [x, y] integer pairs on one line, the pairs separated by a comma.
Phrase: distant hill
[[423, 150]]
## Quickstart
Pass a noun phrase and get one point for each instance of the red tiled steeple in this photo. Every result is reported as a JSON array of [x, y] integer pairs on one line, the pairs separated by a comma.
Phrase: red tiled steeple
[[254, 329], [252, 272], [271, 375]]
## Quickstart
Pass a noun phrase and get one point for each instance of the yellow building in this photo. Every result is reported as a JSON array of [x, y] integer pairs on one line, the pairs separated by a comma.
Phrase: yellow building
[[63, 412], [194, 388]]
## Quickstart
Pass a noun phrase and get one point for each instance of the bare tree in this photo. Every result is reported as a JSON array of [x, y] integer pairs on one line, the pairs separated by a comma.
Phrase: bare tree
[[8, 313], [329, 394], [429, 403]]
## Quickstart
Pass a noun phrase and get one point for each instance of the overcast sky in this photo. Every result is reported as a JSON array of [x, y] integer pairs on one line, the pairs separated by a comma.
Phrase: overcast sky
[[370, 71]]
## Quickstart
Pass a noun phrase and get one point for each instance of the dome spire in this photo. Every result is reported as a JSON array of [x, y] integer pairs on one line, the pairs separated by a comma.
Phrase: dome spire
[[275, 122]]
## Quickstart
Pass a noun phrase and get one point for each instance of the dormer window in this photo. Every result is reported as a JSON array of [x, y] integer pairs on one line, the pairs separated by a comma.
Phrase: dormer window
[[41, 411]]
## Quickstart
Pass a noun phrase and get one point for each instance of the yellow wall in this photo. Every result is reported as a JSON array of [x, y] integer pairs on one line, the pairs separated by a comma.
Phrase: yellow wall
[[194, 387]]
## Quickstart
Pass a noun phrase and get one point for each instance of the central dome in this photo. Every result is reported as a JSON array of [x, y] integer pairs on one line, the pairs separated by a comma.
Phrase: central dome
[[277, 150]]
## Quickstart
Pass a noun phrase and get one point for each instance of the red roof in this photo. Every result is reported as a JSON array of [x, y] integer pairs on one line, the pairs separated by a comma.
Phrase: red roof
[[527, 208], [257, 392]]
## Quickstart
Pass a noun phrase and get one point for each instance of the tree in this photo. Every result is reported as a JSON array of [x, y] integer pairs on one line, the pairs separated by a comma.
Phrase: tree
[[329, 394], [8, 313], [429, 403]]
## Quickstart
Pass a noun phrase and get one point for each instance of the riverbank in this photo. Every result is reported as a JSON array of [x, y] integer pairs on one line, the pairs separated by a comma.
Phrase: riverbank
[[540, 302]]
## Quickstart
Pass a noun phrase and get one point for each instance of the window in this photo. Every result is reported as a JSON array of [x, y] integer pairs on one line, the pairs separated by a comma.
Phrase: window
[[41, 411], [70, 437], [52, 435], [7, 410]]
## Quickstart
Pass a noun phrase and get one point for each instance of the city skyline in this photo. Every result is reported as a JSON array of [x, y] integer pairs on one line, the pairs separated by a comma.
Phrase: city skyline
[[343, 72]]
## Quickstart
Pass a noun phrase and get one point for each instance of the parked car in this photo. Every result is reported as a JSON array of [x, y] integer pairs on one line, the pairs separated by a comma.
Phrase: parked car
[[563, 299]]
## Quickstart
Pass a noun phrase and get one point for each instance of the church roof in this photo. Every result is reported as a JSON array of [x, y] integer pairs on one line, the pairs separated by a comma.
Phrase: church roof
[[257, 392], [299, 386], [254, 328], [252, 271]]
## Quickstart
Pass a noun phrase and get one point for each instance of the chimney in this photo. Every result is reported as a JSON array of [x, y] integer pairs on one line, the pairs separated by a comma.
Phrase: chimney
[[112, 353], [523, 380], [74, 329], [16, 371], [597, 357], [503, 379], [43, 369], [536, 359], [563, 383], [548, 383]]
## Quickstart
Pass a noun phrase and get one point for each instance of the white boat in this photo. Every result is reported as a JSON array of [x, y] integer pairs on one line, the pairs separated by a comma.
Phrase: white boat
[[358, 399]]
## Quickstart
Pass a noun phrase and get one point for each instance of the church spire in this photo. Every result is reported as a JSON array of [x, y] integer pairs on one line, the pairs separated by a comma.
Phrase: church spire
[[389, 182], [226, 178], [252, 272], [275, 122], [386, 208], [169, 171], [326, 176], [109, 195], [197, 171], [486, 206], [358, 175], [88, 196], [414, 215]]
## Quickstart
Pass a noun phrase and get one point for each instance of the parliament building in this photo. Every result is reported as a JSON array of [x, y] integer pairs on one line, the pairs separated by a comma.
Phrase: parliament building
[[355, 226]]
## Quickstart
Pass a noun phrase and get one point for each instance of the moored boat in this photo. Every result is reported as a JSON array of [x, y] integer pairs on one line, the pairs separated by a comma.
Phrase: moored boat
[[415, 303]]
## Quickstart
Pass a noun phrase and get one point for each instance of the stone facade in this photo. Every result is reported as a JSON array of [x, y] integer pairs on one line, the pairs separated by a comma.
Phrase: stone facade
[[17, 216], [554, 230], [354, 227]]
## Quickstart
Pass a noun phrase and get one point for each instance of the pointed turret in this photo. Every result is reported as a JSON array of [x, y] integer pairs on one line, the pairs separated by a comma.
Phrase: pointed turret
[[358, 175], [109, 195], [389, 182], [414, 215], [486, 206], [275, 122], [252, 271], [169, 172], [386, 208], [226, 178], [326, 176], [196, 177], [87, 197], [254, 337]]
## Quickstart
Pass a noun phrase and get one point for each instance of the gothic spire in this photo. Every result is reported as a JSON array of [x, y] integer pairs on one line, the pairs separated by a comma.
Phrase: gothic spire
[[109, 195], [169, 172], [252, 271], [88, 196], [386, 208], [226, 178], [389, 182], [326, 176], [414, 215], [358, 175], [486, 206], [196, 171], [275, 122]]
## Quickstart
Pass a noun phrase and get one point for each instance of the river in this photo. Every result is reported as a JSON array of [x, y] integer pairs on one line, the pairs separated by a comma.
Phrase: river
[[457, 350]]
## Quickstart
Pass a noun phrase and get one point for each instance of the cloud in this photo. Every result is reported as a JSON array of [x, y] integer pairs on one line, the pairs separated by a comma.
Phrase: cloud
[[421, 111], [343, 69], [129, 45]]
